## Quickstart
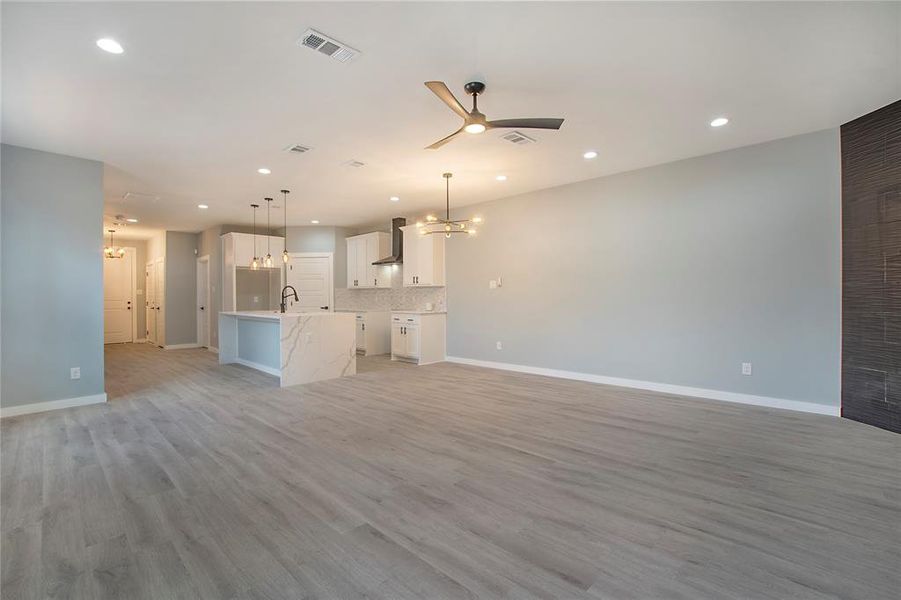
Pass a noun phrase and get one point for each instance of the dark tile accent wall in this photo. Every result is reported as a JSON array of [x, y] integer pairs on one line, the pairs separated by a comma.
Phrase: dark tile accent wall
[[871, 268]]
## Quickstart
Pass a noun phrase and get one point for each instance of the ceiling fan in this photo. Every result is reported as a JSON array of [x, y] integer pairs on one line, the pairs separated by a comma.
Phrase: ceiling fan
[[474, 121]]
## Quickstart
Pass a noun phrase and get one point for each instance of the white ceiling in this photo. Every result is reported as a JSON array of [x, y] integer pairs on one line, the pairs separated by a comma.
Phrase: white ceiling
[[206, 93]]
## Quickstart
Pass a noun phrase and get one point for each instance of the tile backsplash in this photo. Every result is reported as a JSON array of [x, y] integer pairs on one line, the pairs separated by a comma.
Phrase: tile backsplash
[[395, 298]]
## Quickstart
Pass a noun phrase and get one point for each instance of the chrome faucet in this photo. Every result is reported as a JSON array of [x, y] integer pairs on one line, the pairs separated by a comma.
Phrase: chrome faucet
[[286, 294]]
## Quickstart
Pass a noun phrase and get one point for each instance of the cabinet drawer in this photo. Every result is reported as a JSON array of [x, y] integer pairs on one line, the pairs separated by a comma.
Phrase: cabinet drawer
[[405, 318]]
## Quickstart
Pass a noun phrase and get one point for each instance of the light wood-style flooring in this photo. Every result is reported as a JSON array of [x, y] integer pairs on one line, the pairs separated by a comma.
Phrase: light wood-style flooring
[[444, 481]]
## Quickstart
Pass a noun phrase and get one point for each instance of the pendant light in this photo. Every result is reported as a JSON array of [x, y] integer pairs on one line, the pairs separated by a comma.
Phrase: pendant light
[[267, 262], [111, 251], [255, 263], [447, 226], [285, 257]]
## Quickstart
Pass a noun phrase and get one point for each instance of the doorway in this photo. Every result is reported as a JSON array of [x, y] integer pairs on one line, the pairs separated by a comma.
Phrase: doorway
[[203, 301], [312, 275], [119, 278]]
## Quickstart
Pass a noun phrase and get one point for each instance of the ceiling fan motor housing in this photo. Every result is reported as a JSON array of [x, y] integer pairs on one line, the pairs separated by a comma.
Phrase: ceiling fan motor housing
[[474, 87]]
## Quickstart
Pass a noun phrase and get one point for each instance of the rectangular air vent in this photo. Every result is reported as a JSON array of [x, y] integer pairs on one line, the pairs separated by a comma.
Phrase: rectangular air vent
[[517, 137], [298, 148], [326, 45]]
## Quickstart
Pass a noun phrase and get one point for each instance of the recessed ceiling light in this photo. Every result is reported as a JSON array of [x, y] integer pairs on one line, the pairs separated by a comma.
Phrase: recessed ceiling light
[[590, 154], [501, 178], [719, 122], [314, 222], [132, 220], [395, 199], [203, 206], [110, 45], [263, 171]]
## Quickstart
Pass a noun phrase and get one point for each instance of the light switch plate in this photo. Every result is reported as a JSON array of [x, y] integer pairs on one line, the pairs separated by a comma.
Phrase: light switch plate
[[75, 373], [492, 284], [745, 368], [500, 346]]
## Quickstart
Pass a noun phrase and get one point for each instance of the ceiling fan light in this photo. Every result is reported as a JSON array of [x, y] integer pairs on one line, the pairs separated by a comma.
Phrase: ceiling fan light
[[474, 128]]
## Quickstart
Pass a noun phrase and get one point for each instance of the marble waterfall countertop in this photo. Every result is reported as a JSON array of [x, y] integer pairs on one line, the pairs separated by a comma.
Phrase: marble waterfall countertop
[[297, 347]]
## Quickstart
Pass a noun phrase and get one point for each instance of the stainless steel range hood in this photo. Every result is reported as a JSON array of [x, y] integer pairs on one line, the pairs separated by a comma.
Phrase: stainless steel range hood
[[397, 244]]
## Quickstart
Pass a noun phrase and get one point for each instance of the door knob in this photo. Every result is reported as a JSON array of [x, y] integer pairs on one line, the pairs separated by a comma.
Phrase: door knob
[[201, 308]]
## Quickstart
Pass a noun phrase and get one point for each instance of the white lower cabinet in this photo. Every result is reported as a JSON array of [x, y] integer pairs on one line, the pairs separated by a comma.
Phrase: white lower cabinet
[[418, 337], [373, 333]]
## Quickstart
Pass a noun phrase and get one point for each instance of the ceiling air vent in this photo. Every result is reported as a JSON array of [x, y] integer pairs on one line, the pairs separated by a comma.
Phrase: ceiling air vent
[[518, 138], [298, 148], [326, 45]]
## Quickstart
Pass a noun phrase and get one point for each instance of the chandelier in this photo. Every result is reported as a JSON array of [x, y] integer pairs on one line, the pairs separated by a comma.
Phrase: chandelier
[[447, 226], [112, 251], [285, 256], [267, 262], [255, 262]]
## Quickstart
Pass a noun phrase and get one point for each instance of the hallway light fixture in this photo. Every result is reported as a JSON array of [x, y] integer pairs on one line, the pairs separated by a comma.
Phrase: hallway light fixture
[[285, 256], [255, 263], [112, 251], [267, 262], [447, 226]]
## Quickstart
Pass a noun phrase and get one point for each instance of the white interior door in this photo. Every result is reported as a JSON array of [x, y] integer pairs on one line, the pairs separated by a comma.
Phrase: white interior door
[[312, 277], [118, 298], [203, 301], [149, 300], [159, 304]]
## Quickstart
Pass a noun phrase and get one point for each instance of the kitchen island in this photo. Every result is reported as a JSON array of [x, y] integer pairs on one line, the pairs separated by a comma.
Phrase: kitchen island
[[296, 347]]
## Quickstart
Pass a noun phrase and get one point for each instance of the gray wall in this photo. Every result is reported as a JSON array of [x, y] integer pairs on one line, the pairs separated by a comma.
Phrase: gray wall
[[181, 288], [52, 208], [671, 274]]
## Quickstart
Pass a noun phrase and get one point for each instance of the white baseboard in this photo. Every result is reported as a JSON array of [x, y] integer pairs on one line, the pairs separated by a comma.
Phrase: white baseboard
[[259, 367], [665, 388], [213, 349], [140, 340], [181, 346], [37, 407]]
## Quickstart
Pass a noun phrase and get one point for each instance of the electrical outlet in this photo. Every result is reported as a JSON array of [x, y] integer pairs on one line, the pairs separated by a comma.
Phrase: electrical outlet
[[745, 368], [75, 373], [500, 346]]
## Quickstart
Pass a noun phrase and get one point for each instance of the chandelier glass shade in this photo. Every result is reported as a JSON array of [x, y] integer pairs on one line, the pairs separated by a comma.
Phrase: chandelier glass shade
[[447, 226], [112, 251]]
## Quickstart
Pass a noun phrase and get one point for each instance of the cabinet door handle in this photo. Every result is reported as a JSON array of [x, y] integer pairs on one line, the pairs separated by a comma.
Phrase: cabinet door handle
[[363, 326], [375, 282]]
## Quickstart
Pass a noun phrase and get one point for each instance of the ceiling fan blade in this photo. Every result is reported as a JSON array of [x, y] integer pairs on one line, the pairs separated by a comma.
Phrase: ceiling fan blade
[[439, 89], [443, 141], [526, 123]]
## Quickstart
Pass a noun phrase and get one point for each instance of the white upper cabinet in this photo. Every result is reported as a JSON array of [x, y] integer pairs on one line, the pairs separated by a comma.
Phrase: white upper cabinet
[[362, 251], [423, 258], [242, 244]]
